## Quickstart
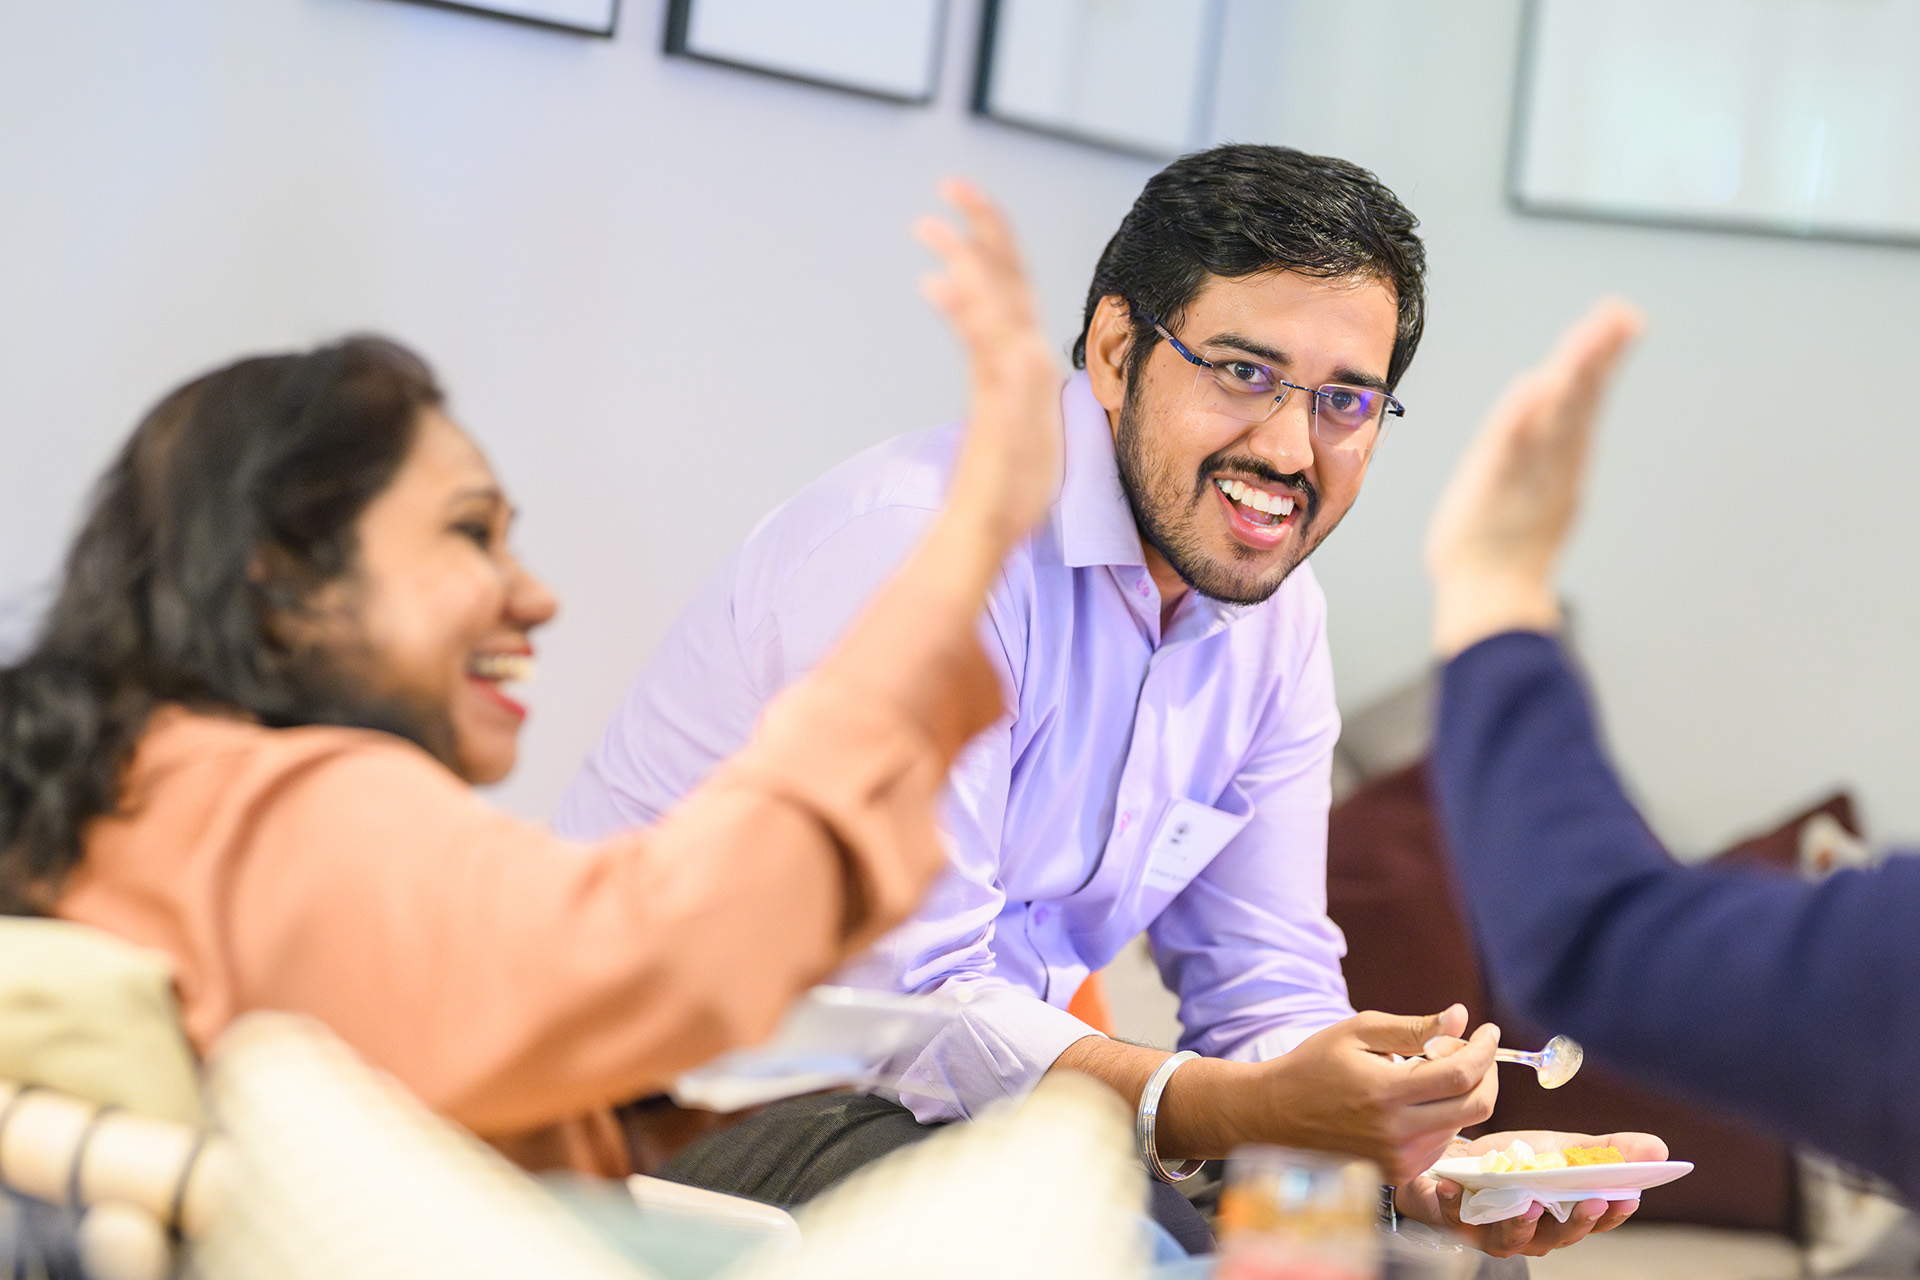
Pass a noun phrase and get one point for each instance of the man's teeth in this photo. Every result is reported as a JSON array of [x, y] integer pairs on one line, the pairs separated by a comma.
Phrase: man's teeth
[[502, 666], [1246, 495]]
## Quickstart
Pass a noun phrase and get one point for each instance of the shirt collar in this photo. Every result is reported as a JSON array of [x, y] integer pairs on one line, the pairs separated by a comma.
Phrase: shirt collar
[[1092, 523]]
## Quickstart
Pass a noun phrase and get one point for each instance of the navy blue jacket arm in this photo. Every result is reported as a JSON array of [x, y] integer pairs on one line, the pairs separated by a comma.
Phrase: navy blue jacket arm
[[1797, 1003]]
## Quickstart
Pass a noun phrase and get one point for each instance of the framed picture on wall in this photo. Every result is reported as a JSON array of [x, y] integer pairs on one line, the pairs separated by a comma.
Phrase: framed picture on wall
[[881, 48], [1135, 75], [583, 17], [1796, 117]]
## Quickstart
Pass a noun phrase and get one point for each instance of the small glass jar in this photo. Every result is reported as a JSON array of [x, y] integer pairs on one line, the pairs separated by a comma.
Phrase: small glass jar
[[1299, 1215]]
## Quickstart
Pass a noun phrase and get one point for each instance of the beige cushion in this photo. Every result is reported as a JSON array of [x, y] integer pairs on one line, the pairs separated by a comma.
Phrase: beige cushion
[[86, 1013]]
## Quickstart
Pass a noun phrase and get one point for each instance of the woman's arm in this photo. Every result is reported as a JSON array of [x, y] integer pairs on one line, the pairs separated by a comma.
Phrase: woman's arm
[[511, 981]]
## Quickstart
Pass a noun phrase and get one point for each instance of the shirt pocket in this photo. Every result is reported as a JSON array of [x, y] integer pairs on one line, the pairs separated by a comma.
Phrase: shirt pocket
[[1189, 836]]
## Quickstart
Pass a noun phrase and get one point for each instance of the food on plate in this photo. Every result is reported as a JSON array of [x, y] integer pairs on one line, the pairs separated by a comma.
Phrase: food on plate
[[1520, 1157], [1593, 1155]]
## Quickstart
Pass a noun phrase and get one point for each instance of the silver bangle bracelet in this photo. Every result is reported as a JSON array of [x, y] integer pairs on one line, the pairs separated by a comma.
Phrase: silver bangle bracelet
[[1143, 1121]]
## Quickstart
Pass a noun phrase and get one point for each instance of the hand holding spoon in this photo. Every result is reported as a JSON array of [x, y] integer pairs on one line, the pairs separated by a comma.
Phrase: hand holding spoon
[[1555, 1064]]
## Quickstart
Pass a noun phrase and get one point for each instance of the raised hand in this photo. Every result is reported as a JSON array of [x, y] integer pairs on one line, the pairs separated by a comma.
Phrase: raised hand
[[1008, 472], [1499, 527]]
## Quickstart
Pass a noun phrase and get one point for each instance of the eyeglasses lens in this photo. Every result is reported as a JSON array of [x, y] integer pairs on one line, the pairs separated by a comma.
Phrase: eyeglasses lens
[[1245, 393], [1343, 417]]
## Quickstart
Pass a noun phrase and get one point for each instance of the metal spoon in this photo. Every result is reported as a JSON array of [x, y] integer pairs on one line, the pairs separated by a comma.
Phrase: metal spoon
[[1555, 1064]]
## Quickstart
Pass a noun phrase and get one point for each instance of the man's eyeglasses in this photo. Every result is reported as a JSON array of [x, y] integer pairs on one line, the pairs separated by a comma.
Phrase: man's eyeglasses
[[1344, 417]]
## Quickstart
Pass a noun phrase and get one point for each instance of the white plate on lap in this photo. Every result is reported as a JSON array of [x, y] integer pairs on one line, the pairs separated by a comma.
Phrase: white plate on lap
[[1634, 1175]]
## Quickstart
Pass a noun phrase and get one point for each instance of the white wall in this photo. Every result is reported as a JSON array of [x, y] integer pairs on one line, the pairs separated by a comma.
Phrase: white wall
[[664, 294], [1747, 579], [592, 242]]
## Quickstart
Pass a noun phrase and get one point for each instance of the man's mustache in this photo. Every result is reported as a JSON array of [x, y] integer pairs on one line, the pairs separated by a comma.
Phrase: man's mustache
[[1261, 470]]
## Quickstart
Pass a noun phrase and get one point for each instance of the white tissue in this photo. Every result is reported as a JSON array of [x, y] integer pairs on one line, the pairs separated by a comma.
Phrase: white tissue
[[1497, 1204]]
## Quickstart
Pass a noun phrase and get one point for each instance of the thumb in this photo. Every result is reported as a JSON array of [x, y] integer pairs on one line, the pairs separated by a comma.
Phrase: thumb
[[1391, 1033]]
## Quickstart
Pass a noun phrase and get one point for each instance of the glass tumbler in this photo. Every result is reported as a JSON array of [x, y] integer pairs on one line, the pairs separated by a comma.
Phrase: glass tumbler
[[1299, 1215]]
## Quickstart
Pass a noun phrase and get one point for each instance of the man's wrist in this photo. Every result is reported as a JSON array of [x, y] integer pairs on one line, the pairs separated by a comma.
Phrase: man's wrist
[[1146, 1122], [1469, 608], [1203, 1111]]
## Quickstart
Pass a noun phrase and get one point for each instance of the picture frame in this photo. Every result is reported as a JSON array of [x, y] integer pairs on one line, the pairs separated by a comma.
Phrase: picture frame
[[896, 57], [1132, 77], [1779, 117], [599, 18]]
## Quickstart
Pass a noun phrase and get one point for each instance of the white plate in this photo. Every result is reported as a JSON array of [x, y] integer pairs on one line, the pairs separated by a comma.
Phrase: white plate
[[1634, 1175]]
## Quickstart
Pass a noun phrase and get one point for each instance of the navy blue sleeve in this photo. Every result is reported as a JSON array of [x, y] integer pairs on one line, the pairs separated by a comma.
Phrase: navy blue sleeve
[[1796, 1003]]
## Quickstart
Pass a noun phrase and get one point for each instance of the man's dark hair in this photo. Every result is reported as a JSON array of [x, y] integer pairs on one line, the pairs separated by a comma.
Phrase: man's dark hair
[[235, 500], [1241, 209]]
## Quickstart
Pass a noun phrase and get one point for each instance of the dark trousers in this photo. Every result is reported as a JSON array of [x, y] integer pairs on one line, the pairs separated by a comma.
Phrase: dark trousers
[[791, 1151]]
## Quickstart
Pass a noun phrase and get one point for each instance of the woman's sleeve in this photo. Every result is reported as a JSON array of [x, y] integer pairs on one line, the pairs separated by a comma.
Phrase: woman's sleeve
[[511, 979], [1794, 1002]]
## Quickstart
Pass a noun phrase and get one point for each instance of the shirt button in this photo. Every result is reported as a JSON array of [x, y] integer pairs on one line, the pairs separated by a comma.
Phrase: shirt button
[[1039, 915], [1125, 819]]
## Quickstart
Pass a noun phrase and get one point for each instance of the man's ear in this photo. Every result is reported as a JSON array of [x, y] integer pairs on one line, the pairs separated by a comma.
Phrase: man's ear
[[1109, 339]]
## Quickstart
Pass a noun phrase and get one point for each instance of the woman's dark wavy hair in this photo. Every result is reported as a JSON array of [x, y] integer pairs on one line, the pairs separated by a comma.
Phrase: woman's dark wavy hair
[[235, 499], [1241, 209]]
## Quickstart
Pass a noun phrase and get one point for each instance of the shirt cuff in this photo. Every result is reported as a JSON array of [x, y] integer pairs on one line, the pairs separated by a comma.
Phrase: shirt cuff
[[998, 1047], [1276, 1043]]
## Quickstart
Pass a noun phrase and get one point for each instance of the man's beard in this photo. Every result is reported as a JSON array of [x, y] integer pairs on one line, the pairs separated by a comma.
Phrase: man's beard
[[1166, 509]]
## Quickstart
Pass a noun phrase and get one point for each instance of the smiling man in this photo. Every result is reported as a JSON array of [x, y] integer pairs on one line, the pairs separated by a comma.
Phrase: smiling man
[[1166, 767]]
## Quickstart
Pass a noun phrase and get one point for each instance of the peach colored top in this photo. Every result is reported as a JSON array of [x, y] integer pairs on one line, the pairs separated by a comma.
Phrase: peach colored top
[[518, 983]]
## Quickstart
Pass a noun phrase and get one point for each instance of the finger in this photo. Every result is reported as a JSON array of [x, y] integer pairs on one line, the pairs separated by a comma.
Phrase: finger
[[1450, 1115], [987, 301], [1415, 1156], [1520, 405], [1582, 363], [954, 300], [1618, 1211], [1598, 336], [939, 291], [965, 293], [936, 233], [1513, 1235], [1593, 341], [1456, 1074], [1558, 1235], [988, 225], [1390, 1033], [991, 241], [1632, 1146]]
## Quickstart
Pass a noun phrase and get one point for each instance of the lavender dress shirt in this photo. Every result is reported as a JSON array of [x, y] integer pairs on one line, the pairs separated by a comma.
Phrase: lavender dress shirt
[[1176, 783]]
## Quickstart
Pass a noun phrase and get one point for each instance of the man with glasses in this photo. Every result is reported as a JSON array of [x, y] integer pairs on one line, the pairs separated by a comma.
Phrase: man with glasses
[[1166, 767]]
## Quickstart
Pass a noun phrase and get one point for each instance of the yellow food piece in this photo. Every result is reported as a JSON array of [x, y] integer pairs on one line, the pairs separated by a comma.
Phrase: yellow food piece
[[1594, 1155], [1521, 1158]]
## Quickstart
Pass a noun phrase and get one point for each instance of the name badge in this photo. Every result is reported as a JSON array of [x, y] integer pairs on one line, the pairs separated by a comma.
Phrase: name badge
[[1189, 836]]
